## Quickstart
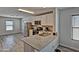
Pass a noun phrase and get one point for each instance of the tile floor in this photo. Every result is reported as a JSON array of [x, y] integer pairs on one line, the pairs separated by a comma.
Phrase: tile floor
[[11, 43]]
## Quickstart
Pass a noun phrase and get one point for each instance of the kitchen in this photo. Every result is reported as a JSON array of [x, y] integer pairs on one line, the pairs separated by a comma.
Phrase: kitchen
[[40, 32], [39, 29], [36, 31]]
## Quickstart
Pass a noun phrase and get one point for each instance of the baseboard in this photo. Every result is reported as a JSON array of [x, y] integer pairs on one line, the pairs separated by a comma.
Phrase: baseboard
[[72, 48]]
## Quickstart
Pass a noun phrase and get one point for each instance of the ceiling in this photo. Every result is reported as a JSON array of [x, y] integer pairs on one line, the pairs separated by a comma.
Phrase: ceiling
[[37, 10], [13, 11]]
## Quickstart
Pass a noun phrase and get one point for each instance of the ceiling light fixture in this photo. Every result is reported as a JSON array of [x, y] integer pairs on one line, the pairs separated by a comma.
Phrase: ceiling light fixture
[[26, 11]]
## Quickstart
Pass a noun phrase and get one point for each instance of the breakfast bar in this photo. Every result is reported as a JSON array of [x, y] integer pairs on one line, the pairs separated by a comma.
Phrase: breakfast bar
[[38, 42]]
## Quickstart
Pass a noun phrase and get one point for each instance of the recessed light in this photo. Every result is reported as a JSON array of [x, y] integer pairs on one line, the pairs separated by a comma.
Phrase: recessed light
[[26, 11]]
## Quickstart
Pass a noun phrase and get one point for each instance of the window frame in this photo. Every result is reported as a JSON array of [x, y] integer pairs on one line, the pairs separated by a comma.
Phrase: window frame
[[74, 27], [9, 25]]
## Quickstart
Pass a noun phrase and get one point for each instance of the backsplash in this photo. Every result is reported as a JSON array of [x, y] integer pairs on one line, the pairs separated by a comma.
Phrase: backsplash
[[38, 29], [42, 29]]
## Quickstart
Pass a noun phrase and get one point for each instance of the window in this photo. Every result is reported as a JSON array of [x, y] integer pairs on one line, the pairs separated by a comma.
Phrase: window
[[75, 27], [9, 25]]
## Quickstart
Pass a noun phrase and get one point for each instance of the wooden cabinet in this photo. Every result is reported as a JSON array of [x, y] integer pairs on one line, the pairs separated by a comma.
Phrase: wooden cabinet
[[27, 27]]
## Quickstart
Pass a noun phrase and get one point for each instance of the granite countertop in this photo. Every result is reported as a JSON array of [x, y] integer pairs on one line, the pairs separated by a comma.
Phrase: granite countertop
[[38, 42]]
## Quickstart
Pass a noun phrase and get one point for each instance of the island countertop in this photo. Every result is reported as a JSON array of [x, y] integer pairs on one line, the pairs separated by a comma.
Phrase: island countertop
[[38, 42]]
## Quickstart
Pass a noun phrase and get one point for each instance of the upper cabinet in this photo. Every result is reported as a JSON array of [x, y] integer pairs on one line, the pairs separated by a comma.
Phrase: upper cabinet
[[43, 19], [36, 18], [47, 19], [33, 19], [50, 19]]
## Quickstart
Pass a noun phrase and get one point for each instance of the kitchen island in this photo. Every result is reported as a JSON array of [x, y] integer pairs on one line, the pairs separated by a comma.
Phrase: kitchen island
[[40, 43]]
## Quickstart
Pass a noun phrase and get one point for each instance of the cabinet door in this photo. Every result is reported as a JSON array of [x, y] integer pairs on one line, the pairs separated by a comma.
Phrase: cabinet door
[[28, 48], [38, 18], [33, 18], [50, 19], [51, 46], [43, 20]]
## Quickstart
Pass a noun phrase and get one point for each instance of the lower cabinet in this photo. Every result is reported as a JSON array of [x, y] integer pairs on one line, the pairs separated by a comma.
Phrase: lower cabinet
[[51, 46], [28, 48]]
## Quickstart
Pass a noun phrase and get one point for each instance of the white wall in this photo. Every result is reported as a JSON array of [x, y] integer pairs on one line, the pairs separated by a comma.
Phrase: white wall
[[66, 28]]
